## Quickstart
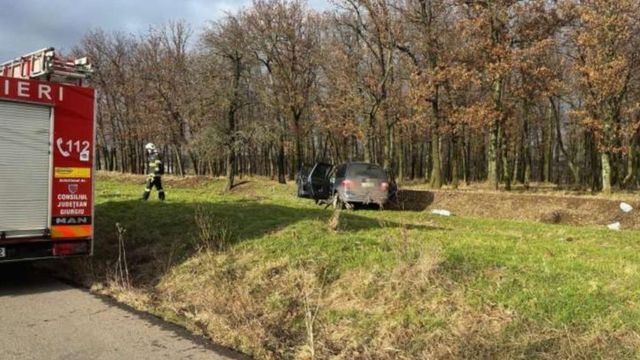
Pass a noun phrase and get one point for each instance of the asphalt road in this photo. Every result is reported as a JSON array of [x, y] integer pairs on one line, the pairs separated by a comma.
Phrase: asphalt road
[[43, 318]]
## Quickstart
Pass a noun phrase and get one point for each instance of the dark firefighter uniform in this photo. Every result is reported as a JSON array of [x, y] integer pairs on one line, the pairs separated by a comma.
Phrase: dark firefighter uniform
[[155, 170]]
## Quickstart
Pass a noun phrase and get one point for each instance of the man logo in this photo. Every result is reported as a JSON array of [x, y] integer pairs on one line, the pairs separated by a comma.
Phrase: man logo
[[74, 220], [73, 188]]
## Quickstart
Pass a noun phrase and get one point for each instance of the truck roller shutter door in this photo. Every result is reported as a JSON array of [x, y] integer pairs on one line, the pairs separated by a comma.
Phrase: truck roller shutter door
[[24, 168]]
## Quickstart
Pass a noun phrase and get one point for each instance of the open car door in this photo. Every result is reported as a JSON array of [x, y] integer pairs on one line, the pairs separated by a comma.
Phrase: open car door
[[302, 182], [319, 181]]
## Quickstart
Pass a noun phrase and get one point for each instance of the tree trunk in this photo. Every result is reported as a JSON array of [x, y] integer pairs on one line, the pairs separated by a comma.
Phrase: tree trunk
[[388, 149], [527, 156], [631, 177], [436, 171], [606, 172], [455, 181], [402, 160], [367, 147], [273, 162], [297, 162], [496, 128], [427, 160], [573, 167], [231, 151], [194, 162], [507, 169], [282, 179], [292, 165], [178, 157], [465, 157], [492, 157], [548, 150], [230, 165], [421, 161]]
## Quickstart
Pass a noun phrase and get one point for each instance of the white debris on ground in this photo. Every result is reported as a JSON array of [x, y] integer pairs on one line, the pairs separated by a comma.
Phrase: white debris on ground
[[441, 212], [615, 226], [626, 207]]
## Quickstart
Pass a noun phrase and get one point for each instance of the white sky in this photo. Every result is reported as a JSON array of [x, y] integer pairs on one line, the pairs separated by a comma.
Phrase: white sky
[[28, 25]]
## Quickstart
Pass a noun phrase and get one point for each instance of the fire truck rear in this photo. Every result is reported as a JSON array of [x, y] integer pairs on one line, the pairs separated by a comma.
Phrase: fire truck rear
[[47, 131]]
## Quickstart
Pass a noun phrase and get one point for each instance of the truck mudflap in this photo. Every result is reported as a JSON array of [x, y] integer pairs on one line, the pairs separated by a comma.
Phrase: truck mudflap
[[22, 251]]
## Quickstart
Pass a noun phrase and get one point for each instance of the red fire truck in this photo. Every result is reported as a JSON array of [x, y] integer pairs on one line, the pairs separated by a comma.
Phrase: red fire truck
[[47, 131]]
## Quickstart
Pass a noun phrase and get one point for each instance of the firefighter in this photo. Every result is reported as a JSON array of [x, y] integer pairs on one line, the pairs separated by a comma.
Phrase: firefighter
[[155, 170]]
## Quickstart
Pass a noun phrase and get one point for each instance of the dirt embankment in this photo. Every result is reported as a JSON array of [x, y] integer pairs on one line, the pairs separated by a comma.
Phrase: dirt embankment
[[548, 208], [552, 209], [189, 181]]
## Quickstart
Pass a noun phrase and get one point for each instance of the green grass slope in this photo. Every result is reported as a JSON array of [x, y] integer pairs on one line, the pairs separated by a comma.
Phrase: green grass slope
[[274, 276]]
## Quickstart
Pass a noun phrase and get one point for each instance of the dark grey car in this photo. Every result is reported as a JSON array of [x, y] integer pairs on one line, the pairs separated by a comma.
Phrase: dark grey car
[[349, 183]]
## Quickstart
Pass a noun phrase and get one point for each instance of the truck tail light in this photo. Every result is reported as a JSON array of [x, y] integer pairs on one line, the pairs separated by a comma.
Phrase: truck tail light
[[70, 248]]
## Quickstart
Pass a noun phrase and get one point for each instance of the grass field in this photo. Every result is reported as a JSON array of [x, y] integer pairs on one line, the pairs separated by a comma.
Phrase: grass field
[[274, 276]]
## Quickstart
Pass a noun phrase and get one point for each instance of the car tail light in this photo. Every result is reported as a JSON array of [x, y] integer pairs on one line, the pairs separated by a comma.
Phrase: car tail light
[[384, 186], [347, 184]]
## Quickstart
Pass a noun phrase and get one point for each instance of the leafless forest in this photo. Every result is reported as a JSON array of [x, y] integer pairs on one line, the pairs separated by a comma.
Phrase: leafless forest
[[450, 91]]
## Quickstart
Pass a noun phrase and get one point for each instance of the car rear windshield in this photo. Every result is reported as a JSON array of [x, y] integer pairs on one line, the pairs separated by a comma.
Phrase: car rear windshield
[[366, 170]]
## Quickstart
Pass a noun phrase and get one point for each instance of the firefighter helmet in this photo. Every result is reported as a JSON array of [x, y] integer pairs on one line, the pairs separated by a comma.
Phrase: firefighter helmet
[[151, 148]]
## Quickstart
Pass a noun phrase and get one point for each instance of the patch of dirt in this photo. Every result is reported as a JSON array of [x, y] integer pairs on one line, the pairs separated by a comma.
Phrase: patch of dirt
[[188, 181], [412, 200], [550, 209]]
